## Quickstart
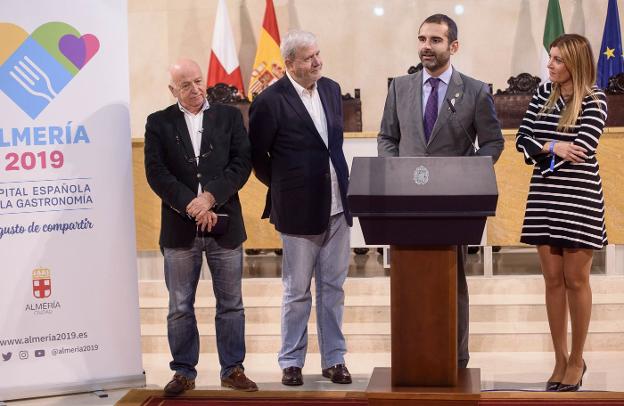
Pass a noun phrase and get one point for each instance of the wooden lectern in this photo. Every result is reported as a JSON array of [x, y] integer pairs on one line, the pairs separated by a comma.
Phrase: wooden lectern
[[423, 207]]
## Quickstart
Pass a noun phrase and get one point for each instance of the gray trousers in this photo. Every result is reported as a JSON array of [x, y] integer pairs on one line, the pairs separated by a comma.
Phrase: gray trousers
[[326, 257]]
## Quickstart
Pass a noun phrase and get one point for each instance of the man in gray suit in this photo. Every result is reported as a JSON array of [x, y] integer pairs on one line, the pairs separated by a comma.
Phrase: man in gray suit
[[441, 112]]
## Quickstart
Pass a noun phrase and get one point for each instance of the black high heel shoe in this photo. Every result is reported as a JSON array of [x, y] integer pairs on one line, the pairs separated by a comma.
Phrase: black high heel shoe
[[552, 386], [573, 387]]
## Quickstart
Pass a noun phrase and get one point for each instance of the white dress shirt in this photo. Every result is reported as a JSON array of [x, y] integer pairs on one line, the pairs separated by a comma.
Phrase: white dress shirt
[[312, 102], [194, 124]]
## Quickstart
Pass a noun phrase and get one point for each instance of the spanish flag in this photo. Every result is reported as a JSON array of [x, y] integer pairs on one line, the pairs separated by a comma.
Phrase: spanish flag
[[268, 65]]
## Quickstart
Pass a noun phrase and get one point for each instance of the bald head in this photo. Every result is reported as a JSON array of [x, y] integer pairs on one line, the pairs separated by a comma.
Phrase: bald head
[[187, 84], [183, 67]]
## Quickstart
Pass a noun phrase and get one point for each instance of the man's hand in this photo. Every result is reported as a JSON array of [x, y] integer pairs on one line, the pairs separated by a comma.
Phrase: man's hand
[[200, 205], [207, 221]]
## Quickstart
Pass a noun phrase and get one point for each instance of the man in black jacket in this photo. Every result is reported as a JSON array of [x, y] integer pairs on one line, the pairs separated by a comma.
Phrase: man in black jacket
[[197, 157], [295, 126]]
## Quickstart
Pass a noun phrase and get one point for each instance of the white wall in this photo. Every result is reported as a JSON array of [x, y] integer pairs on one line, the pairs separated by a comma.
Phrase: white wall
[[498, 39]]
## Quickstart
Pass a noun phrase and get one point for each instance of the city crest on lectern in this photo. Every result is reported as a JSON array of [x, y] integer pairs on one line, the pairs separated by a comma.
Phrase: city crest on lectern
[[421, 175]]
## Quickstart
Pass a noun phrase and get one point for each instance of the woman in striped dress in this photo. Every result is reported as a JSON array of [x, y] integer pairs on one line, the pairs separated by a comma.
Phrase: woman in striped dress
[[564, 215]]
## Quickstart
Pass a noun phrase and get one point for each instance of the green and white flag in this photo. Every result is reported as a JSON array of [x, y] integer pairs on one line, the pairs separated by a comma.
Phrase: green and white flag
[[552, 29]]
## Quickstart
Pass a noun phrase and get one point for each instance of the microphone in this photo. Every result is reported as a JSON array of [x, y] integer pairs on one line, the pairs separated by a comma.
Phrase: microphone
[[454, 111]]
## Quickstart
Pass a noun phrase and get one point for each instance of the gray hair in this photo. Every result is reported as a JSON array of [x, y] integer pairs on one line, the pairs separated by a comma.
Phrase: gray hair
[[294, 40]]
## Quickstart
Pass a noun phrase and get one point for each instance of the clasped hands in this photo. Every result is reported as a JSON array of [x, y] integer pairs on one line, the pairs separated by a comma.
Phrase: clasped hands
[[568, 151], [200, 208]]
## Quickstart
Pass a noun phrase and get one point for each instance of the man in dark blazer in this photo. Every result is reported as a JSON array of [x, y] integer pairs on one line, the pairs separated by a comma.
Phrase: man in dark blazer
[[197, 157], [295, 127], [418, 121]]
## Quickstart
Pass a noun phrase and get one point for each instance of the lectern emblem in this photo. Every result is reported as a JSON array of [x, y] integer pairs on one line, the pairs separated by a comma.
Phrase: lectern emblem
[[421, 175]]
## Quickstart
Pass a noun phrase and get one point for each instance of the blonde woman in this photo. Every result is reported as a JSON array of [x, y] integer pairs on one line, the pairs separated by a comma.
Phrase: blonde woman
[[564, 215]]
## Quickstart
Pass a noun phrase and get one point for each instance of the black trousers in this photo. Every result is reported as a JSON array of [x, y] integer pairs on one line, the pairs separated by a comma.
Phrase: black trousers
[[462, 308]]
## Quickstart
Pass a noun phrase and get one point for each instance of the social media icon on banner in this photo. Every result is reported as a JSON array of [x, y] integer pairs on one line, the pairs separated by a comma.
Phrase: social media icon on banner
[[23, 355], [35, 68], [7, 356], [39, 353]]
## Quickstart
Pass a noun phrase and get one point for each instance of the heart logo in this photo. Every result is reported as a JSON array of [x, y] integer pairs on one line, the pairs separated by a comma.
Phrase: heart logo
[[79, 50], [35, 68]]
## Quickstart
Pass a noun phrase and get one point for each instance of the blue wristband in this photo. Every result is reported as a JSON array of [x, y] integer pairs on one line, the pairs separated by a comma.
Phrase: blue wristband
[[552, 152]]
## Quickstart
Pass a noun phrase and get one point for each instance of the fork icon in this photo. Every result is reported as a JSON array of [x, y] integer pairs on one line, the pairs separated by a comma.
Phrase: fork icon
[[29, 75]]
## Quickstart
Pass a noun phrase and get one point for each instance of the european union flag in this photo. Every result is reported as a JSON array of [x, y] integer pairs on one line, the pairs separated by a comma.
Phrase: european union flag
[[611, 59]]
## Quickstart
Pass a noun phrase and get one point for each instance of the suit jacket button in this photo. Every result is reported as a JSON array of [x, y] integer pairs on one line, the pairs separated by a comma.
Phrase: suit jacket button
[[326, 175], [199, 176]]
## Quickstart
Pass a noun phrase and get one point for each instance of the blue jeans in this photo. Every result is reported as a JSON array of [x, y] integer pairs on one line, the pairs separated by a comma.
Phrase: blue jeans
[[326, 256], [182, 271]]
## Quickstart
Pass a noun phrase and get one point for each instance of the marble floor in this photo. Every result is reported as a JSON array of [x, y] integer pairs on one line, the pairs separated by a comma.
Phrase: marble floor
[[500, 371], [510, 371]]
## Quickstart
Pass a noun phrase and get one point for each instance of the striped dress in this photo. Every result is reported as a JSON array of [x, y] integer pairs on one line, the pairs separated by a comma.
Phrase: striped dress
[[565, 206]]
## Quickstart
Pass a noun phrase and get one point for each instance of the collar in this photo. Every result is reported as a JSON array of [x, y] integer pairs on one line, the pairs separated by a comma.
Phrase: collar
[[205, 107], [301, 91], [444, 76]]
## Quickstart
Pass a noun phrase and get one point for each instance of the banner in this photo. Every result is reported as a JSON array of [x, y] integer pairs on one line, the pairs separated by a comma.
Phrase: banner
[[68, 280]]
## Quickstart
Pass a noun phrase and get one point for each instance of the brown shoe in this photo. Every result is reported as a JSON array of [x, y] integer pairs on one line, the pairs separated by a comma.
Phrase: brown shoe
[[238, 381], [179, 384], [338, 374]]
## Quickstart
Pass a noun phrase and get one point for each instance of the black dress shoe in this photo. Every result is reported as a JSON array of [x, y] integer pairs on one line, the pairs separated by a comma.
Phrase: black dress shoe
[[291, 376], [179, 384], [338, 374], [552, 386], [573, 387]]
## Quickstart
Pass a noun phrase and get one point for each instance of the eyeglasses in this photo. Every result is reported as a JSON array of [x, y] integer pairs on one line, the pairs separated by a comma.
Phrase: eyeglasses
[[194, 159]]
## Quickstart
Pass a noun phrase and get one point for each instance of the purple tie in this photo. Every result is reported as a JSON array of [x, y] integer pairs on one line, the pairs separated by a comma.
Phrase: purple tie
[[431, 110]]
